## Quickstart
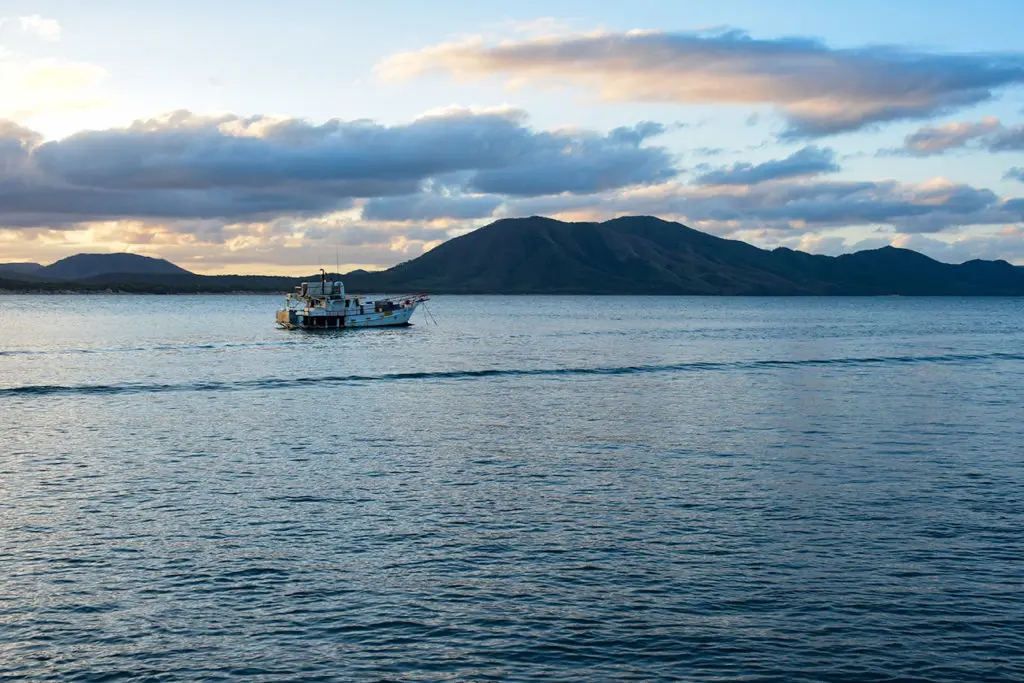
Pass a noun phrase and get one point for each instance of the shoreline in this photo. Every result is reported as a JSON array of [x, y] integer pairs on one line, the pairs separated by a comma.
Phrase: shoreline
[[112, 292]]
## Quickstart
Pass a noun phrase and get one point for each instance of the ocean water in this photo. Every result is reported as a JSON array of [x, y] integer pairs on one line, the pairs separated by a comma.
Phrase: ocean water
[[534, 488]]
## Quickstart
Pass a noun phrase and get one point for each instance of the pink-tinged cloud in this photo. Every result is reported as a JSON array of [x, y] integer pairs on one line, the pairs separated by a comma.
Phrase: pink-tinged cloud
[[932, 140], [818, 89], [987, 134]]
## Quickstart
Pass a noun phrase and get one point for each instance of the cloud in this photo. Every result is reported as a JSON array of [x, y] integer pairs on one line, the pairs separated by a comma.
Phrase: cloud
[[426, 206], [1007, 244], [931, 140], [810, 160], [41, 27], [188, 166], [15, 143], [31, 86], [47, 29], [279, 246], [1015, 173], [989, 134], [818, 89], [1008, 140], [796, 205], [581, 163], [1015, 206]]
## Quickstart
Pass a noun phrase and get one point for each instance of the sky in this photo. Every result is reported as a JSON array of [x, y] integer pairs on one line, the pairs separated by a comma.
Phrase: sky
[[268, 137]]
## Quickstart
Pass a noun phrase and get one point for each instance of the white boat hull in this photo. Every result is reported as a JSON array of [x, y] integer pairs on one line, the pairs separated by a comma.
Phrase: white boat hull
[[385, 319], [301, 321]]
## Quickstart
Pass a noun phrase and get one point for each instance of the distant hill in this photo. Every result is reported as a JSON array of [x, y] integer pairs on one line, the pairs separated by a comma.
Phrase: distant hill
[[84, 266], [18, 269], [630, 255], [646, 255]]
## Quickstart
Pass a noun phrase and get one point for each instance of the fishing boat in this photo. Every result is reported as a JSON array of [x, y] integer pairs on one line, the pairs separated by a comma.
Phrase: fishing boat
[[325, 306]]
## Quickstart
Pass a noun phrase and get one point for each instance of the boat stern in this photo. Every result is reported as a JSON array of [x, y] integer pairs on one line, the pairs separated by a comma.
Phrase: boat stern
[[287, 318]]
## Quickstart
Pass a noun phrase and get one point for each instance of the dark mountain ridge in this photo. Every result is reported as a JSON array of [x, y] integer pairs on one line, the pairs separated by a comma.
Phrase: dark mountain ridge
[[84, 266], [646, 255], [629, 255], [16, 270]]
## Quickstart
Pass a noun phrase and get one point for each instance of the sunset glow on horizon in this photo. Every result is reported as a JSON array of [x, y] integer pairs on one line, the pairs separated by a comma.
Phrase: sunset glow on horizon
[[272, 144]]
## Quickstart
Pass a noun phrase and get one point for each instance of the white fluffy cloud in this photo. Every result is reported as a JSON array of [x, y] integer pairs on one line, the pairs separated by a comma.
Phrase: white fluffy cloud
[[45, 28], [41, 27], [33, 86]]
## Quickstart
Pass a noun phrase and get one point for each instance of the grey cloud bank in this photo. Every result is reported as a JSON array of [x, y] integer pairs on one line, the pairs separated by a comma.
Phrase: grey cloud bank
[[810, 160], [803, 206], [429, 206], [277, 182], [185, 166]]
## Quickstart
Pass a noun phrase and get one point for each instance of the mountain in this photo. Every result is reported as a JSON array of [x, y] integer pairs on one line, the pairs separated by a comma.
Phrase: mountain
[[646, 255], [629, 255], [18, 269], [84, 266]]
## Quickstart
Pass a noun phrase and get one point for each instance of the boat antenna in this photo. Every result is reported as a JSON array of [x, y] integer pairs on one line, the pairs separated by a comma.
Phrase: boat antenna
[[337, 260]]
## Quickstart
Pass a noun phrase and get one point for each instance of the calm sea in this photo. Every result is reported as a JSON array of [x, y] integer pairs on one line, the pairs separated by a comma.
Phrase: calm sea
[[534, 488]]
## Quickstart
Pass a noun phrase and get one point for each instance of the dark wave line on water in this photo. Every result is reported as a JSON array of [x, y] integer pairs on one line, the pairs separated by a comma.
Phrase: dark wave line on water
[[159, 347], [299, 382]]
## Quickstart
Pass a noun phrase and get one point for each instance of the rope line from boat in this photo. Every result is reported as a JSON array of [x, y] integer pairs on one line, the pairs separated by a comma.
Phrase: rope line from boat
[[427, 311]]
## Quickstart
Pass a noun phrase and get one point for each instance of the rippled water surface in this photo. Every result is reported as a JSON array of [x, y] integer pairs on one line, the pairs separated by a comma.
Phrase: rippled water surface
[[535, 488]]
